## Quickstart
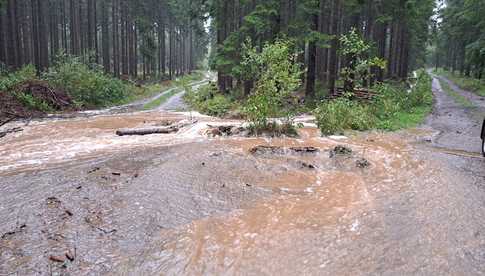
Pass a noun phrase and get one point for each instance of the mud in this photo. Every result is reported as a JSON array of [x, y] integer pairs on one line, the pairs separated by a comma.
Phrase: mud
[[76, 199]]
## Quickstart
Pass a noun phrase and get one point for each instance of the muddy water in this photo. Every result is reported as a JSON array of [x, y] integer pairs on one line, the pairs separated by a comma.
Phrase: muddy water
[[310, 212], [186, 204], [47, 143]]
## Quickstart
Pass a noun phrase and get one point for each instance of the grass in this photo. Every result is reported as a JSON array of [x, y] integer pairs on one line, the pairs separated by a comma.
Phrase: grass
[[467, 83], [455, 95], [410, 119]]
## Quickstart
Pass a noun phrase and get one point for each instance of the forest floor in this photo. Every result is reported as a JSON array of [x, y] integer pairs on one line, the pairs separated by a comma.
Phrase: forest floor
[[75, 198]]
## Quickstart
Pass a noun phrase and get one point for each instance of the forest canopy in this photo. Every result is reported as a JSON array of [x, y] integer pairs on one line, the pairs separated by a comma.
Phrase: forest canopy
[[395, 30], [459, 37]]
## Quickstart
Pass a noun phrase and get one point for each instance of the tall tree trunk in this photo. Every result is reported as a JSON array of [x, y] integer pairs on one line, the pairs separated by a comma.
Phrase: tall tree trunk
[[105, 36], [333, 59], [13, 43], [35, 34], [311, 72], [116, 50], [43, 35], [3, 42]]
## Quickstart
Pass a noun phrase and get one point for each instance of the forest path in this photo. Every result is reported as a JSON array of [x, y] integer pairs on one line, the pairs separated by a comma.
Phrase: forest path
[[459, 124], [177, 103]]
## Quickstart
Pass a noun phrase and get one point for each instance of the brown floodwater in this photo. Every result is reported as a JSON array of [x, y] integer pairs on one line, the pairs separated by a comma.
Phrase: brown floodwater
[[187, 204]]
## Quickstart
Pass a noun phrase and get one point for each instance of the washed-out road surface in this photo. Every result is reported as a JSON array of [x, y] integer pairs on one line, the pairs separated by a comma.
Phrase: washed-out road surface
[[75, 199]]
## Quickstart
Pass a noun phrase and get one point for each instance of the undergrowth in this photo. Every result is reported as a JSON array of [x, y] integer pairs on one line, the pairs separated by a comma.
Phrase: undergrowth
[[208, 100], [395, 108], [9, 81], [89, 87]]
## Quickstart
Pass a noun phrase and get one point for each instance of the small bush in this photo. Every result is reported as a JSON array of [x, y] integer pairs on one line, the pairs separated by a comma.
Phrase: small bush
[[88, 87], [217, 106], [334, 117], [274, 129], [208, 100]]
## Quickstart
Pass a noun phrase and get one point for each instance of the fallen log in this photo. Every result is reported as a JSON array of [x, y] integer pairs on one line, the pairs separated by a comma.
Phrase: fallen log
[[155, 130], [147, 131]]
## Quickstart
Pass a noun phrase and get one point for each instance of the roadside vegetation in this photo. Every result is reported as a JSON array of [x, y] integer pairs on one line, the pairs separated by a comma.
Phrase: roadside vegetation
[[277, 80], [86, 84], [394, 108]]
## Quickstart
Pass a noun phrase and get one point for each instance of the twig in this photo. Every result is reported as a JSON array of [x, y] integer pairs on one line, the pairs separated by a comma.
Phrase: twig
[[6, 121]]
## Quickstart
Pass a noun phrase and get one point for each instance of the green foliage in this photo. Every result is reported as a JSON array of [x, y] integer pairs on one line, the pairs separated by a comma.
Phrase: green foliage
[[217, 106], [357, 52], [9, 81], [398, 108], [33, 103], [88, 87], [274, 129], [208, 100], [334, 117], [277, 74], [459, 37], [395, 108]]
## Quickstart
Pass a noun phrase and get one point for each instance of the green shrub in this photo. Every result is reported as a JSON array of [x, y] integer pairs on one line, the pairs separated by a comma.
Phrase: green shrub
[[33, 103], [393, 109], [274, 129], [208, 100], [204, 93], [336, 116], [421, 94], [217, 106], [10, 80], [277, 74], [87, 86]]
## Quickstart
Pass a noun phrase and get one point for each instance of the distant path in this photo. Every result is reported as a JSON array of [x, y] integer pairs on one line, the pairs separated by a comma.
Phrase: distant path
[[173, 103], [459, 126], [176, 102]]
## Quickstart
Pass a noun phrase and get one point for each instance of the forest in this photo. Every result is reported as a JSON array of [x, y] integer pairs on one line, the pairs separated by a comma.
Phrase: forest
[[396, 30], [127, 38], [458, 39]]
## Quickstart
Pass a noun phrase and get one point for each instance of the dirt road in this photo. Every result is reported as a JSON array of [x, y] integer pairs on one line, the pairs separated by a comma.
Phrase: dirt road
[[76, 199]]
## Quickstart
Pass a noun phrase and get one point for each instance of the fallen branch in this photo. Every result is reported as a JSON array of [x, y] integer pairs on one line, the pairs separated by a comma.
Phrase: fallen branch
[[6, 121], [8, 131], [154, 130]]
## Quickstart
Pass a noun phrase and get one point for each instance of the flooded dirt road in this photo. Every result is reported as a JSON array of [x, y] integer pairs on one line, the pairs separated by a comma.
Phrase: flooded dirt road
[[76, 199]]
